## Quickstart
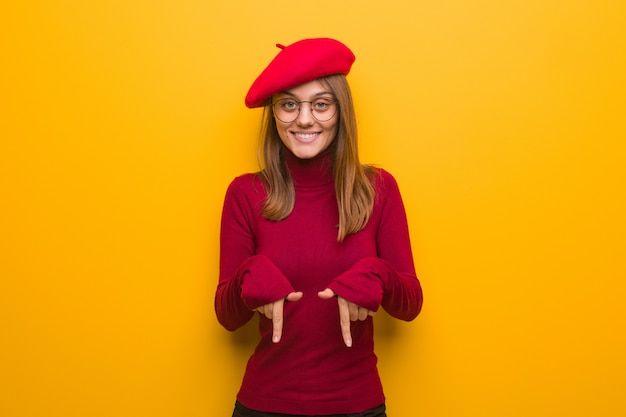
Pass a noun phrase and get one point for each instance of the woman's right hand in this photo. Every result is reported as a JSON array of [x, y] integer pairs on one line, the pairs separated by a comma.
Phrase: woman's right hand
[[274, 312]]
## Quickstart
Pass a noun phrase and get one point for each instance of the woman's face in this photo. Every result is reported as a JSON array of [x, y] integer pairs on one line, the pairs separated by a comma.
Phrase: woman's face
[[306, 136]]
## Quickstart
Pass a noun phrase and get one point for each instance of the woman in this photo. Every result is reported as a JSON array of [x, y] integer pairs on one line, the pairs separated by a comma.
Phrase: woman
[[314, 244]]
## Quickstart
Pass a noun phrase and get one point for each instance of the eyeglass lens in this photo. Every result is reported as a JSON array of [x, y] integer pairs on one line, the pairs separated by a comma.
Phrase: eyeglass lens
[[287, 109]]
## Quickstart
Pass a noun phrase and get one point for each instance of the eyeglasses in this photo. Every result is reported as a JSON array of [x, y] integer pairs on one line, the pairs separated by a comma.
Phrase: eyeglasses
[[287, 109]]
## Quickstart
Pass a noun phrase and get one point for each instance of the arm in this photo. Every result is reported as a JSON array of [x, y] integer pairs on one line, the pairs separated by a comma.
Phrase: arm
[[247, 281], [388, 279]]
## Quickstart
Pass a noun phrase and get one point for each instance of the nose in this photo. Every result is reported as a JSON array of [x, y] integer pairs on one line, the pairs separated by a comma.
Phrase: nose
[[305, 117]]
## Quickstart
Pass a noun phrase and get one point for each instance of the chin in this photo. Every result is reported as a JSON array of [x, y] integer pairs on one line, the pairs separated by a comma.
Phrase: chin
[[306, 153]]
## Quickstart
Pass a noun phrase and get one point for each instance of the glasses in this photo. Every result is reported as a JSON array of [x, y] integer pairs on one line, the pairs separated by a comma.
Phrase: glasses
[[287, 109]]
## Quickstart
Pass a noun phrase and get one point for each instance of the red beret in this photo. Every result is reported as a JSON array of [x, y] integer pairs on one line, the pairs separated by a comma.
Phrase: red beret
[[299, 63]]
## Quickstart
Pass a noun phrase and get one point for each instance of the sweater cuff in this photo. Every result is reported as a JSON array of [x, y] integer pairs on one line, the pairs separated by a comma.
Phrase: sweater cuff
[[362, 284], [262, 282]]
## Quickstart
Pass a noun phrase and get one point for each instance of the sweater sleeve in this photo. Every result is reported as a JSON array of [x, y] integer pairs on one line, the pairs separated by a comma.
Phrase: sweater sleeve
[[388, 279], [247, 280]]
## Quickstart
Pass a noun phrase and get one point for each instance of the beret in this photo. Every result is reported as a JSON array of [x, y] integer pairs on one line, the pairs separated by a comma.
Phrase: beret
[[299, 63]]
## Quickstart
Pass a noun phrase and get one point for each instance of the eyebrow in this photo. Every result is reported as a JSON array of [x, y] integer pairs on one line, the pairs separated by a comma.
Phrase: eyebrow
[[288, 93]]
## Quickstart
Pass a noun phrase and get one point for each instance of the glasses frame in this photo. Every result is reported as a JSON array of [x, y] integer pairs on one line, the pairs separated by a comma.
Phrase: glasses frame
[[299, 103]]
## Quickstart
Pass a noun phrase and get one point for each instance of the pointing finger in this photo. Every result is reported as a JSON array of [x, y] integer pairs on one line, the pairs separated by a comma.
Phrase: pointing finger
[[277, 321], [344, 320]]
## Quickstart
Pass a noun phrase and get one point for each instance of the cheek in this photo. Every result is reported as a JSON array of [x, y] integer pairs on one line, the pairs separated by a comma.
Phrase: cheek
[[282, 131], [333, 131]]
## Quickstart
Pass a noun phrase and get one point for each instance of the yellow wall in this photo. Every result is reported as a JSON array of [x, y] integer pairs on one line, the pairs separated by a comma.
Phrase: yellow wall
[[122, 123]]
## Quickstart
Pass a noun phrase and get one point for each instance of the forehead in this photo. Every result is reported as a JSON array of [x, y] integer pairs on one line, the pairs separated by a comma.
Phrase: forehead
[[307, 90]]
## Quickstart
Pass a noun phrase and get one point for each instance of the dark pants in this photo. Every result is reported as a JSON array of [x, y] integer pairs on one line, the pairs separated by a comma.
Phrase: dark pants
[[243, 411]]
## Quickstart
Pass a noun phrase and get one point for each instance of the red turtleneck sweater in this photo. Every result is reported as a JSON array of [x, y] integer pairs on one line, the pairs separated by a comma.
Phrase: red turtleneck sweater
[[311, 371]]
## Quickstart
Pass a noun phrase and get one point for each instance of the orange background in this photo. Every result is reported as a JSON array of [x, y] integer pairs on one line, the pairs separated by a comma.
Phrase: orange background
[[122, 123]]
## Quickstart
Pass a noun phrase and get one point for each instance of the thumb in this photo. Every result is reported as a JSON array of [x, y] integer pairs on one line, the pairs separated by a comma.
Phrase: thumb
[[326, 294], [294, 296]]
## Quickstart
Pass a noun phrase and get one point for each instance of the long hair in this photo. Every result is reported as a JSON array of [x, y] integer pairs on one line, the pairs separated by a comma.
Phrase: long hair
[[353, 180]]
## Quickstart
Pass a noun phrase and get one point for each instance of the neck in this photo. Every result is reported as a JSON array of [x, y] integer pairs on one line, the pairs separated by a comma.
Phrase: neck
[[310, 172]]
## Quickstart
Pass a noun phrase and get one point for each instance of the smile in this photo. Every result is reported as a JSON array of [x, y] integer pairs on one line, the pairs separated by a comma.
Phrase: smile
[[305, 136]]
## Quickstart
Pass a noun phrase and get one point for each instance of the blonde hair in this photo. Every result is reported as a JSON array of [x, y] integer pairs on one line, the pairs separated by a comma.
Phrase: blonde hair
[[353, 180]]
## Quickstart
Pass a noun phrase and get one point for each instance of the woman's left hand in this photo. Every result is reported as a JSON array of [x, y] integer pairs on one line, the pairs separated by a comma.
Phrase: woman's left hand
[[348, 312]]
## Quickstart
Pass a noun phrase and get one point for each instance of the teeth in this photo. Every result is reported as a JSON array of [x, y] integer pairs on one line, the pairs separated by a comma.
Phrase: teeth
[[306, 135]]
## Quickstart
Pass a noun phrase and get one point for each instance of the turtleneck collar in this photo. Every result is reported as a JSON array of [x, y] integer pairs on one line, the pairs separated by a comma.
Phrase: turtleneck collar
[[311, 172]]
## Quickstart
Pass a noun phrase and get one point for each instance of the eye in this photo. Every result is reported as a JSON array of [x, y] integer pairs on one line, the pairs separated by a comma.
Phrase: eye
[[322, 105], [288, 105]]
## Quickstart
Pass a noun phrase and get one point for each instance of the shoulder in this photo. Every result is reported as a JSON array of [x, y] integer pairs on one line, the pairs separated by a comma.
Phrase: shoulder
[[246, 186], [384, 182], [246, 181]]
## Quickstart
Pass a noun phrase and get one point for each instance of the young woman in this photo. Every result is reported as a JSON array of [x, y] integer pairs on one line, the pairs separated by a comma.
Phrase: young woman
[[314, 244]]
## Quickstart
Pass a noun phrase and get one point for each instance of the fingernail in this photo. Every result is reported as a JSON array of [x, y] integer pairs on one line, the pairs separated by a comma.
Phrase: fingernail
[[349, 342], [275, 339]]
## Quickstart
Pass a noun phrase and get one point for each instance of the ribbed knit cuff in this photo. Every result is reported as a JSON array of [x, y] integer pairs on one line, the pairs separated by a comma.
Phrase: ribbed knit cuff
[[262, 282], [363, 284]]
